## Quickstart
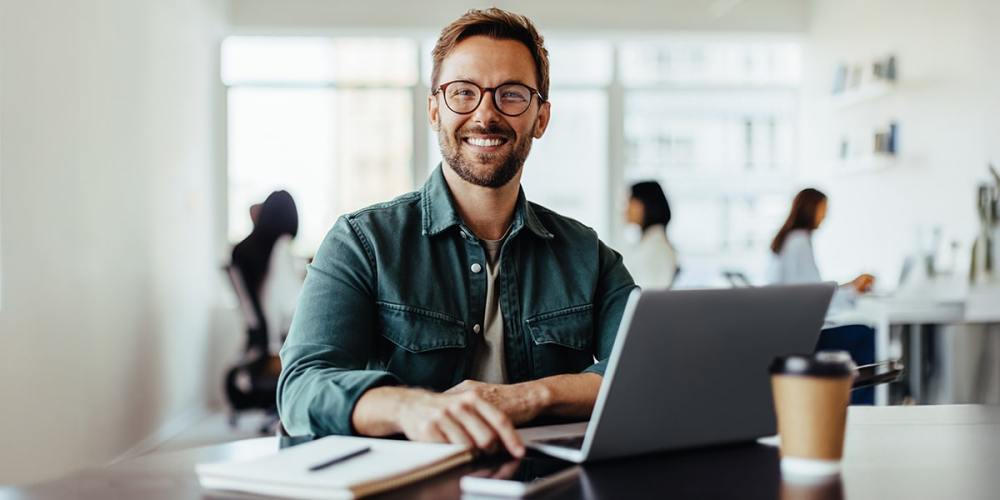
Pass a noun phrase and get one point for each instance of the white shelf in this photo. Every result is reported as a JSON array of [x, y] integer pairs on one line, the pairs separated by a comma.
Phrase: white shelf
[[867, 92], [865, 164]]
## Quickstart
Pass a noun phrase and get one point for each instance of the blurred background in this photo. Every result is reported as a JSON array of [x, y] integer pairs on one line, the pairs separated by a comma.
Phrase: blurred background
[[135, 135]]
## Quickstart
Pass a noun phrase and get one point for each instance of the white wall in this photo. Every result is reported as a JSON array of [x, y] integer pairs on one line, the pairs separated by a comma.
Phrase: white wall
[[109, 127], [721, 15], [946, 105]]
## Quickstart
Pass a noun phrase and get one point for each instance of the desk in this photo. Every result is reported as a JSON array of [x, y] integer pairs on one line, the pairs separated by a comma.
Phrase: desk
[[937, 304], [907, 452]]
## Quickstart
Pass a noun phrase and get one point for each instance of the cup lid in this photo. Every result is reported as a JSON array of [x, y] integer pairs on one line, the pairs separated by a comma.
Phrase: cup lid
[[821, 364]]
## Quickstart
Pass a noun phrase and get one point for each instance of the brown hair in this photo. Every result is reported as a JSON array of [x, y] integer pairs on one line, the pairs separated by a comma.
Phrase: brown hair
[[802, 216], [498, 24]]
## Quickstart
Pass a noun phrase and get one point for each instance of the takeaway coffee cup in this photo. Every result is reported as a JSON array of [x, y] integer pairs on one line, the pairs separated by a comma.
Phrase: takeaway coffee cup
[[811, 394]]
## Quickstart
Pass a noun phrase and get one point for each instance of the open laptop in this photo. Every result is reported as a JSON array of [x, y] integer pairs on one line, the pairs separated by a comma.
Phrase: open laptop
[[690, 368]]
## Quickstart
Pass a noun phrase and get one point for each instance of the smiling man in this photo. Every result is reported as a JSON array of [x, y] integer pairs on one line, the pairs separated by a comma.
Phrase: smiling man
[[459, 311]]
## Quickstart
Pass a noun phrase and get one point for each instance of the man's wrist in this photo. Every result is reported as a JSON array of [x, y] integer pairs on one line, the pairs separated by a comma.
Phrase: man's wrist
[[379, 411], [540, 396]]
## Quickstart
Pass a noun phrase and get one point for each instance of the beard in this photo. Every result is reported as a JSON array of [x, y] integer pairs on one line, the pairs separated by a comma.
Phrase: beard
[[500, 167]]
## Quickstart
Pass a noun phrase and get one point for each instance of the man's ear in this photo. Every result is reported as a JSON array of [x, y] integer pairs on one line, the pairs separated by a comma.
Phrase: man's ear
[[433, 113], [542, 120]]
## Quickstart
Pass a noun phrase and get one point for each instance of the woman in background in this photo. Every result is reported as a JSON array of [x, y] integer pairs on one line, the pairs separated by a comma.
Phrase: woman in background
[[793, 260], [265, 262], [653, 261]]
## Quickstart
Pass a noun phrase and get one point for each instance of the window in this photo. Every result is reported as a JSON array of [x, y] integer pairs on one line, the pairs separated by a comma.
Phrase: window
[[328, 119], [714, 123]]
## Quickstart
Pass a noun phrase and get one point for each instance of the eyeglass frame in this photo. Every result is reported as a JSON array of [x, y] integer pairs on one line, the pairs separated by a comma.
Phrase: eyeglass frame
[[482, 92]]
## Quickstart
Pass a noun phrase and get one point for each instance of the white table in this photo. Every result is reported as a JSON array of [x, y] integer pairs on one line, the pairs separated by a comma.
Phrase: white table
[[933, 304]]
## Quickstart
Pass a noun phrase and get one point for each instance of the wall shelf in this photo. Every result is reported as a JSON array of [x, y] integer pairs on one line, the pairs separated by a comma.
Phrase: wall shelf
[[865, 164], [865, 93]]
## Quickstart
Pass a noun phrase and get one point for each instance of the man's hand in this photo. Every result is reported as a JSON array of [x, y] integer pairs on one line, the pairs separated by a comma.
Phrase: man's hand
[[464, 418], [520, 402]]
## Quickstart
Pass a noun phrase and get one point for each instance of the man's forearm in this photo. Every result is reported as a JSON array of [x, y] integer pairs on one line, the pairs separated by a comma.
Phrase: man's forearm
[[570, 395]]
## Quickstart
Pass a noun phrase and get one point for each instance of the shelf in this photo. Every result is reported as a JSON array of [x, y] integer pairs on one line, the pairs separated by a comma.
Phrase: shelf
[[865, 93], [865, 164]]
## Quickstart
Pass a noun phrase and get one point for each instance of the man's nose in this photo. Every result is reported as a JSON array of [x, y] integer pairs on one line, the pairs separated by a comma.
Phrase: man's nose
[[487, 111]]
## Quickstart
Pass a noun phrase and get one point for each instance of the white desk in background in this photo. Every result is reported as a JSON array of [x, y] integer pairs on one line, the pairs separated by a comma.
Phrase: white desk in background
[[933, 303]]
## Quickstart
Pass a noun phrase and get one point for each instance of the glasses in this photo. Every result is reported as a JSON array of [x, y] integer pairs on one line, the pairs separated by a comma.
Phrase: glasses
[[511, 99]]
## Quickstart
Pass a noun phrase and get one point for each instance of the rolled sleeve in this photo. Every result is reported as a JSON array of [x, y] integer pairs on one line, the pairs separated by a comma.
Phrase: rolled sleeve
[[332, 338]]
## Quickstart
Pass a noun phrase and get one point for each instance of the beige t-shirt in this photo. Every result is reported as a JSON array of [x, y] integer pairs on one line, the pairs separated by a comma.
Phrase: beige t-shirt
[[488, 362]]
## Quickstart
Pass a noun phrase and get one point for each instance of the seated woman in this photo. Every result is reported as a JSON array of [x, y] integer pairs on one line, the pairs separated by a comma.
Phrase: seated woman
[[653, 261], [793, 262]]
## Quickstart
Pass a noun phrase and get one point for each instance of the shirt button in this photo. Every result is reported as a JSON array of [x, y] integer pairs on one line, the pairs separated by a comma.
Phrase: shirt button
[[476, 268], [476, 328]]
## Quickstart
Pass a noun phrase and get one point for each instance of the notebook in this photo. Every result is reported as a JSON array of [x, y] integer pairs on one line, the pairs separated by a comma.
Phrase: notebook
[[389, 464]]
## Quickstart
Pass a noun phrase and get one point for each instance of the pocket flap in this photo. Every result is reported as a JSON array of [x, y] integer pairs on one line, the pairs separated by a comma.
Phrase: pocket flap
[[419, 330], [571, 327]]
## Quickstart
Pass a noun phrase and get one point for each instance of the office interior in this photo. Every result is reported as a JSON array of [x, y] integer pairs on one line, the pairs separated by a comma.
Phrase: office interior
[[136, 134]]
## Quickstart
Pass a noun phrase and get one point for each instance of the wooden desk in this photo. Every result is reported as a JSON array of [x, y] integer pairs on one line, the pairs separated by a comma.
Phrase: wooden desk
[[906, 452]]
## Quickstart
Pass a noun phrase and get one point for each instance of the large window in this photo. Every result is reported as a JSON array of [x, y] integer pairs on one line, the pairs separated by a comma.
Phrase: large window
[[330, 120], [714, 123], [340, 122]]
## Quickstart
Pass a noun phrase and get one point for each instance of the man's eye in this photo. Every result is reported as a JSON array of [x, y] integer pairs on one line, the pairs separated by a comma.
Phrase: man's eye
[[462, 93], [513, 96]]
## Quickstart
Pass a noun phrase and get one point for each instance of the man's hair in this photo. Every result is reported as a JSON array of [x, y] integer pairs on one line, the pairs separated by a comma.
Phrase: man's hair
[[498, 24]]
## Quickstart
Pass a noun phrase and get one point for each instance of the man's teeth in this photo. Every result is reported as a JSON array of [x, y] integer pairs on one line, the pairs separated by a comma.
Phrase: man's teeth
[[475, 141]]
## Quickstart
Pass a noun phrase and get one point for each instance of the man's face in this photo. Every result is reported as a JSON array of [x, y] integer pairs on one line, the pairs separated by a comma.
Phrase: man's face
[[486, 147]]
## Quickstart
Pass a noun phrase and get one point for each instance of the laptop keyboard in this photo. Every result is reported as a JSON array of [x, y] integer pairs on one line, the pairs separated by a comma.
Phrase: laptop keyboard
[[575, 442]]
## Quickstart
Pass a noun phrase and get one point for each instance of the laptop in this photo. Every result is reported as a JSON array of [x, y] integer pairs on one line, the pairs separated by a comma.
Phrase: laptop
[[690, 368]]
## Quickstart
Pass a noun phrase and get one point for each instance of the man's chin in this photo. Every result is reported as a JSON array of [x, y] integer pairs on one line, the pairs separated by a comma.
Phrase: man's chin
[[492, 174]]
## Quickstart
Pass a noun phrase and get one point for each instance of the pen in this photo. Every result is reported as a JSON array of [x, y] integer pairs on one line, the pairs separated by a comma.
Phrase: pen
[[339, 459]]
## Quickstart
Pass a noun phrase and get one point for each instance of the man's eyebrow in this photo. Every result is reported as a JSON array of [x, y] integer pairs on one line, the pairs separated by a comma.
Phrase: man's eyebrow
[[473, 80]]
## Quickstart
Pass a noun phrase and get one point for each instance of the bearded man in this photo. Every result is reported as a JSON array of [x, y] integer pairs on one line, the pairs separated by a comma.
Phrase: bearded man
[[459, 311]]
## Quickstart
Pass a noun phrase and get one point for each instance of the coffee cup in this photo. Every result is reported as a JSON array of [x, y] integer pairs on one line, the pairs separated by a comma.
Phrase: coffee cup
[[811, 395]]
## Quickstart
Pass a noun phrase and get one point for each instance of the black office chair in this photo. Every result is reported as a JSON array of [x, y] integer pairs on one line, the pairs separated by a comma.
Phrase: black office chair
[[252, 383]]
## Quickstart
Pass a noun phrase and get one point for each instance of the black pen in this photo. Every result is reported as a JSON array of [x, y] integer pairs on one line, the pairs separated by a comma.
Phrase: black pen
[[339, 459]]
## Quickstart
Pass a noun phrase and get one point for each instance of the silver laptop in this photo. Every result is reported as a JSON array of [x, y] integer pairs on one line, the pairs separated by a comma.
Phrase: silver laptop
[[690, 368]]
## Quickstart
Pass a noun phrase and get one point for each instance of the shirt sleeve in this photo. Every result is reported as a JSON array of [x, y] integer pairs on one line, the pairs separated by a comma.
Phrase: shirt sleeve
[[331, 339], [613, 288]]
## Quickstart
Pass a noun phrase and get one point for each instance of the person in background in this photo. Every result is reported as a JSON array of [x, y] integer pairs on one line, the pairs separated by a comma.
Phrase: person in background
[[793, 260], [265, 262], [653, 261]]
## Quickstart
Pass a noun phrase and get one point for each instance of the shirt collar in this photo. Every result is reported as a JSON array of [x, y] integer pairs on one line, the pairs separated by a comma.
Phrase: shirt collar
[[439, 213]]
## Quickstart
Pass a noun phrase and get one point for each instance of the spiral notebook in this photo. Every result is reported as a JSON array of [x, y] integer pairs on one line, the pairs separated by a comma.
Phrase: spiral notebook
[[386, 465]]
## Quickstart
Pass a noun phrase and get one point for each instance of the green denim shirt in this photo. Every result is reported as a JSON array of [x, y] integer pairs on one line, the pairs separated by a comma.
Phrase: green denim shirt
[[392, 298]]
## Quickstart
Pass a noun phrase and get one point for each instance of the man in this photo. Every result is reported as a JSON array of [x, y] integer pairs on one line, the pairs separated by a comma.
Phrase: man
[[462, 287]]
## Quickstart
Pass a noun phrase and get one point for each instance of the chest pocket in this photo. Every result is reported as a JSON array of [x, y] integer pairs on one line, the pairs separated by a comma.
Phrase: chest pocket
[[562, 340], [422, 347]]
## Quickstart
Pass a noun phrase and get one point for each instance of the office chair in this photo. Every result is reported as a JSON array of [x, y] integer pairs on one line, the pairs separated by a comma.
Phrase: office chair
[[252, 383]]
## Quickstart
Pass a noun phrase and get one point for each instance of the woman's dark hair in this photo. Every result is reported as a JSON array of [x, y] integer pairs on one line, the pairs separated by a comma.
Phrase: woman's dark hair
[[656, 210], [802, 216], [251, 257]]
